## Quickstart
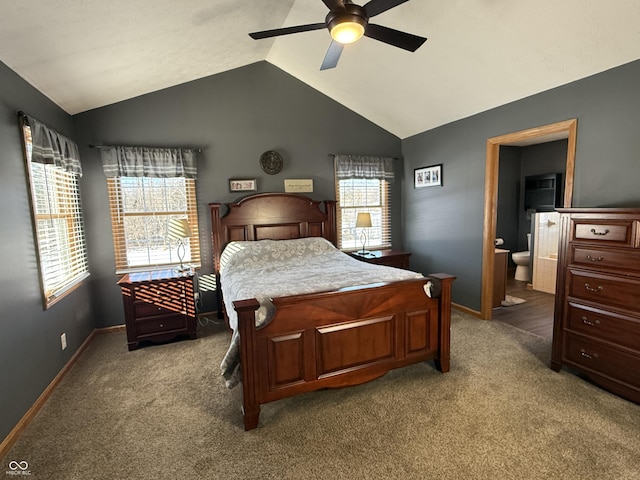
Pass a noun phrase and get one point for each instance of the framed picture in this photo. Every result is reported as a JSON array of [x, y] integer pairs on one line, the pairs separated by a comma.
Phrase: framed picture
[[243, 185], [427, 176]]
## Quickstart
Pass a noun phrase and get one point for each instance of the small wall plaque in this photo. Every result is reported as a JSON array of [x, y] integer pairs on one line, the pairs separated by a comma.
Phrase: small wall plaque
[[298, 185]]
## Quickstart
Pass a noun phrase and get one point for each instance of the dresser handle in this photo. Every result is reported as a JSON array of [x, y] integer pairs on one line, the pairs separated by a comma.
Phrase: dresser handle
[[594, 290], [586, 321], [593, 230], [593, 259], [586, 355], [162, 325]]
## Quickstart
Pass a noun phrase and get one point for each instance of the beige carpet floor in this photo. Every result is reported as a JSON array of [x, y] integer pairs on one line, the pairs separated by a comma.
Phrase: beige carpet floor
[[163, 412]]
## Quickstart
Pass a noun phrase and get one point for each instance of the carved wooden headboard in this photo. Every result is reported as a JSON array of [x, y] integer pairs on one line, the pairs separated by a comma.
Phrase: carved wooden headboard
[[275, 216]]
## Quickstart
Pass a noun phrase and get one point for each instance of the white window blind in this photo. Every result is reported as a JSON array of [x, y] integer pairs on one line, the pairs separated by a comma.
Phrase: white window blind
[[356, 195], [58, 225], [141, 209]]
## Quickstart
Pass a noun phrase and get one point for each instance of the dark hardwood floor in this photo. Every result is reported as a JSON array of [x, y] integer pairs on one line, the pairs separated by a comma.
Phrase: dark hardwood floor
[[535, 315]]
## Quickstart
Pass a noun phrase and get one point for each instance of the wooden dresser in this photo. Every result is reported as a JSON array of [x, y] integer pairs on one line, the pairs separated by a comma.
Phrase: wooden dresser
[[597, 309], [159, 306]]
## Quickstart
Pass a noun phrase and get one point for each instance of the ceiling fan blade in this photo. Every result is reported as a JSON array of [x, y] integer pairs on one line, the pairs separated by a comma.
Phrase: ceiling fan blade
[[334, 5], [376, 7], [332, 56], [399, 39], [287, 30]]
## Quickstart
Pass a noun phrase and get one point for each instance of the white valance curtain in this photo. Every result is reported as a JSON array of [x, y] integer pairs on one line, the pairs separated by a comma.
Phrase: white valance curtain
[[359, 166], [148, 162], [53, 148]]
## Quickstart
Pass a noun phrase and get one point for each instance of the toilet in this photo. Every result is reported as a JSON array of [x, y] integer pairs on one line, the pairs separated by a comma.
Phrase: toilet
[[521, 259]]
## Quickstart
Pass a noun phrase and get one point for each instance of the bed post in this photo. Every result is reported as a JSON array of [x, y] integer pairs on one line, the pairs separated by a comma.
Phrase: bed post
[[246, 310], [330, 224], [443, 282]]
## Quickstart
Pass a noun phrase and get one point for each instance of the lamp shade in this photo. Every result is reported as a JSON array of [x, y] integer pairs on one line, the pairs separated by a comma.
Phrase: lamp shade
[[179, 228], [363, 220]]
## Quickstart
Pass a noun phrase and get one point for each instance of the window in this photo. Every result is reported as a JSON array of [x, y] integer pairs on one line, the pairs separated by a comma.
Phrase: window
[[356, 195], [141, 209], [57, 217]]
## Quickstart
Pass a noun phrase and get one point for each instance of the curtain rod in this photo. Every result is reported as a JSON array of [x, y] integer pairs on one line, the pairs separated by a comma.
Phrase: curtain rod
[[196, 149], [333, 155], [98, 147]]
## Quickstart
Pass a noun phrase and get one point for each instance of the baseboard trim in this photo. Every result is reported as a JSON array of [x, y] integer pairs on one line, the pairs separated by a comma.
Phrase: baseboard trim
[[114, 329], [10, 440], [464, 309]]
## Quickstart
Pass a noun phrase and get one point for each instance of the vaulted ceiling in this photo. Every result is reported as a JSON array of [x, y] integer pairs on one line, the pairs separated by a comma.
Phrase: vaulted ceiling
[[84, 54]]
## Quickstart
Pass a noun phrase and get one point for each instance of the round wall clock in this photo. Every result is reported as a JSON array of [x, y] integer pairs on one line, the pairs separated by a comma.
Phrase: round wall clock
[[271, 162]]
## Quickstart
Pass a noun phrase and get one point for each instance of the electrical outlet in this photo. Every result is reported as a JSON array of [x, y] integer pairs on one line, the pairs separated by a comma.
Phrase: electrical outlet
[[63, 340]]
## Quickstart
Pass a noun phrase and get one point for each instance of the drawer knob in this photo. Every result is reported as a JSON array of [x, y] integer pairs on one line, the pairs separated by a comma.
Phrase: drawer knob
[[586, 321], [589, 288], [162, 325], [593, 259], [595, 232]]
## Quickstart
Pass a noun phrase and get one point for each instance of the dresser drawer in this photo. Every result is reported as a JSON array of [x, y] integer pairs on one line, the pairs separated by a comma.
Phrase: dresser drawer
[[627, 260], [601, 358], [621, 232], [604, 289], [610, 326], [163, 323]]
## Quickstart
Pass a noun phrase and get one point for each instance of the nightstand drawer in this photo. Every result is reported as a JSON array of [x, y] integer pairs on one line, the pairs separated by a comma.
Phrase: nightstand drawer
[[620, 329], [144, 309], [161, 324], [604, 359]]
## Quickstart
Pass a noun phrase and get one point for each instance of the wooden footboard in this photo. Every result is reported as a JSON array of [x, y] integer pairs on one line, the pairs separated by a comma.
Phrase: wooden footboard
[[340, 338]]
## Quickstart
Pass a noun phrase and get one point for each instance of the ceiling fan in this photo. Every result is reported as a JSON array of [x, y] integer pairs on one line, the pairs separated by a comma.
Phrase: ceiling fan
[[347, 23]]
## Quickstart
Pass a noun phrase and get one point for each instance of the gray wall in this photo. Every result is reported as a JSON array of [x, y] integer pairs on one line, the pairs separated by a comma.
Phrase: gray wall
[[234, 117], [509, 199], [443, 226], [30, 351], [516, 163]]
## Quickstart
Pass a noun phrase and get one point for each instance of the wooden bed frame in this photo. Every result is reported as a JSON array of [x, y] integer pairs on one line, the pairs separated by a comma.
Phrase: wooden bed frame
[[329, 339]]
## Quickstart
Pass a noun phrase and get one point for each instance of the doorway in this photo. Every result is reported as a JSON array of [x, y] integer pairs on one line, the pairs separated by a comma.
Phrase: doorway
[[556, 131]]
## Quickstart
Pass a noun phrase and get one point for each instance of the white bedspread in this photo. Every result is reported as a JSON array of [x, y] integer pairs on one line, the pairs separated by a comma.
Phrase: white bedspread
[[274, 268]]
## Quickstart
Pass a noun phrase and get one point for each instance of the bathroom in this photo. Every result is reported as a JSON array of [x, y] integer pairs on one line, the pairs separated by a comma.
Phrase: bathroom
[[530, 186]]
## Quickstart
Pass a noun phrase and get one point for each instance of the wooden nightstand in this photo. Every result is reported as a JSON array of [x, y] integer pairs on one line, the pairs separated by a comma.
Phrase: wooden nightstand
[[390, 258], [159, 306]]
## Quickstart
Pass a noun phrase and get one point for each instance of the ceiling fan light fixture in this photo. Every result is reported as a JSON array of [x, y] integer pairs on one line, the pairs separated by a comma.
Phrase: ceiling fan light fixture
[[347, 32]]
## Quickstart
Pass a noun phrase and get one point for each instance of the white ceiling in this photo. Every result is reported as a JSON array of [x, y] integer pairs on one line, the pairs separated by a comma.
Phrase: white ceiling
[[85, 54]]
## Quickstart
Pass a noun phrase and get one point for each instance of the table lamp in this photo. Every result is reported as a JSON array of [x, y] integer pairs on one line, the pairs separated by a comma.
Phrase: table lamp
[[179, 230], [363, 221]]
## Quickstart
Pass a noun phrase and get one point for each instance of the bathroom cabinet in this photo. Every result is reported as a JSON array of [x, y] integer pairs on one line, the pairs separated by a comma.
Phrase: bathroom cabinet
[[597, 307]]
